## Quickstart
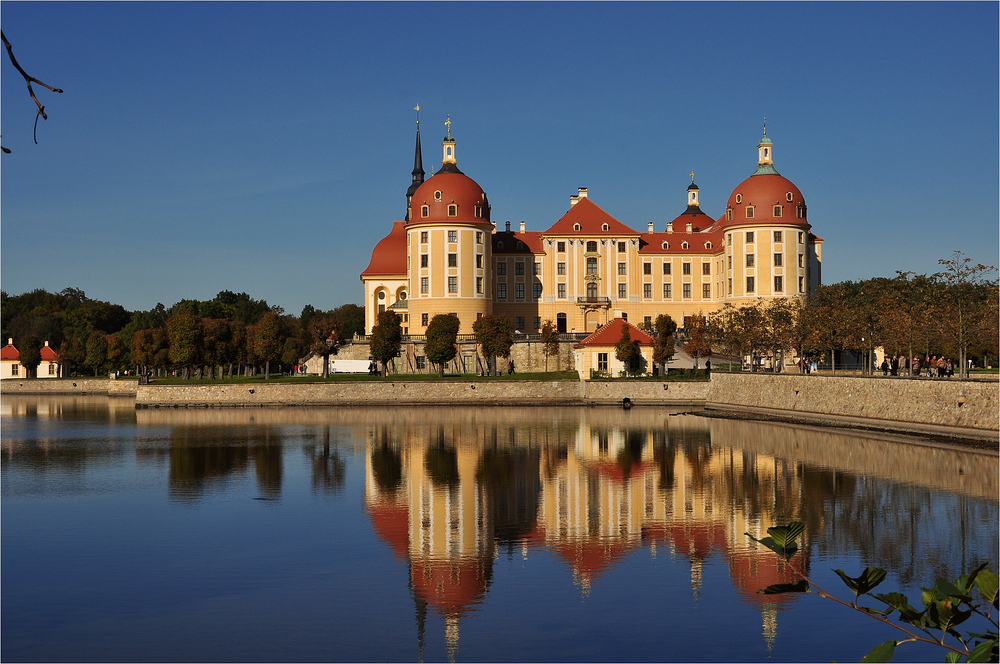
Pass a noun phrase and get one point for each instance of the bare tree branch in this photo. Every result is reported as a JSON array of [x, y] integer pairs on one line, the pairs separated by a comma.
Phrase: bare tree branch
[[28, 79]]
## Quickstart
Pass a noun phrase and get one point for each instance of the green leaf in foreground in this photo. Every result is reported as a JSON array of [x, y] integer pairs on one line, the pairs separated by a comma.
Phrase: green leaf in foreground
[[984, 652], [871, 577], [986, 581], [883, 652], [781, 539], [779, 588]]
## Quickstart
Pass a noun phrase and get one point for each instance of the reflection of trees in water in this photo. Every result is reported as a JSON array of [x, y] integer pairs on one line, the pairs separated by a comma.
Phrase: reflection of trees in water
[[328, 468], [203, 457], [510, 481], [630, 454], [919, 534], [441, 462]]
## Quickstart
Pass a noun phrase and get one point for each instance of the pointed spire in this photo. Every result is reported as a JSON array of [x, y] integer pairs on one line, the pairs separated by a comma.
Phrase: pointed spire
[[417, 174], [765, 155]]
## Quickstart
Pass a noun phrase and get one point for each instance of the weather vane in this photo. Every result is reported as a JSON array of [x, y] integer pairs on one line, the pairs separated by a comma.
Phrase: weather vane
[[447, 123], [417, 109], [692, 176], [765, 126]]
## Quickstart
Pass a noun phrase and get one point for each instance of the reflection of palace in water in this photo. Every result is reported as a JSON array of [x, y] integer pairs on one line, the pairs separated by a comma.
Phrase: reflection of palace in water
[[445, 498]]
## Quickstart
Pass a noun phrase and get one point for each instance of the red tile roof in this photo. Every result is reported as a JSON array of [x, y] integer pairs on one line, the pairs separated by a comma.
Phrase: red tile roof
[[8, 352], [610, 334], [389, 255], [530, 242], [49, 355], [591, 219]]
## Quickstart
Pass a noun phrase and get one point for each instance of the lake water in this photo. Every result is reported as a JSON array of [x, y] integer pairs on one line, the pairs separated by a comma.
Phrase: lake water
[[463, 534]]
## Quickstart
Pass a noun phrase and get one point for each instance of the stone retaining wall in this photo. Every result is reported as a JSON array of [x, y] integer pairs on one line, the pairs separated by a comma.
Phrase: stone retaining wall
[[121, 387], [947, 407], [388, 392]]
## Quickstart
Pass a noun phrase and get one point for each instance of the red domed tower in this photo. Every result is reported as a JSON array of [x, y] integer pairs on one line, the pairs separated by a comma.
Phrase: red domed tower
[[448, 246], [770, 251]]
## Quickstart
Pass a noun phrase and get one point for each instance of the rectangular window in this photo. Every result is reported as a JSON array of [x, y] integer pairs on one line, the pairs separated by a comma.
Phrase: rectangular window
[[647, 322], [730, 262], [666, 268], [538, 322], [800, 238], [706, 291], [621, 268], [647, 290], [479, 260], [777, 260], [519, 291], [647, 268], [502, 291], [777, 234], [706, 268], [519, 322], [591, 265], [519, 267], [452, 284], [423, 260], [778, 285], [538, 269], [750, 237], [560, 246], [800, 260], [13, 370], [452, 260], [424, 284], [622, 290], [562, 290], [750, 213], [479, 285], [502, 267], [536, 290], [423, 237], [749, 260], [602, 361], [687, 290], [423, 319], [52, 369], [777, 213], [561, 268], [421, 362], [800, 285], [750, 285], [479, 237], [452, 236], [686, 268], [730, 286], [667, 291], [621, 247]]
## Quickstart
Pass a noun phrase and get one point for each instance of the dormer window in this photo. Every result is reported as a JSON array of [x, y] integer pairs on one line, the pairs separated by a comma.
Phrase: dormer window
[[452, 210], [425, 211], [437, 195], [604, 227], [708, 245], [500, 244], [665, 245], [729, 214], [576, 227], [749, 212], [800, 212], [777, 210], [684, 245]]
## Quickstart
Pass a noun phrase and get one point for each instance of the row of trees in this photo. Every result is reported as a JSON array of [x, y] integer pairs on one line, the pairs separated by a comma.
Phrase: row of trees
[[230, 329], [953, 313]]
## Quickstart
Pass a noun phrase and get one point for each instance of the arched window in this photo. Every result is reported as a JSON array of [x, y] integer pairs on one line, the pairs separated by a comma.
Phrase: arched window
[[576, 227], [604, 227]]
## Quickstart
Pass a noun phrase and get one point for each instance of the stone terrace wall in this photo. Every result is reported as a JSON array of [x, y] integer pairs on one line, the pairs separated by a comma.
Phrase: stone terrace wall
[[935, 406], [388, 392], [121, 387]]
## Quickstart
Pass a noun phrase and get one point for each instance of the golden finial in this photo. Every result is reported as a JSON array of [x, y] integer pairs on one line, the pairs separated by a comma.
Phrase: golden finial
[[692, 176], [765, 126], [447, 123], [417, 109]]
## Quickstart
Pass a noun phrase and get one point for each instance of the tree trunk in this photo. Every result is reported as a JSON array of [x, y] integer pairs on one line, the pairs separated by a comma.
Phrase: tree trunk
[[267, 370]]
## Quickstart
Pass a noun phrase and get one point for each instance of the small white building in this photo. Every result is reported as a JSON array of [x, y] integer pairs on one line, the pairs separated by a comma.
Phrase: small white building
[[11, 367]]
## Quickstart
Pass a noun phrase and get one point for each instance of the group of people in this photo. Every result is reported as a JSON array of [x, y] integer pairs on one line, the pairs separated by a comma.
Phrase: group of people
[[898, 365]]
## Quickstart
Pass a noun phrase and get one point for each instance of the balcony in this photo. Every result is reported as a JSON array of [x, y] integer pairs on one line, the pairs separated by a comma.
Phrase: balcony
[[600, 299]]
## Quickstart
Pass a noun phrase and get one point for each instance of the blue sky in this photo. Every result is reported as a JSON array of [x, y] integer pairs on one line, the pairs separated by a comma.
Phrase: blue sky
[[267, 147]]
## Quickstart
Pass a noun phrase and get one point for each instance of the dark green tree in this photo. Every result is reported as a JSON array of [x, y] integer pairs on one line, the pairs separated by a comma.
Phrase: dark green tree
[[31, 354], [550, 342], [324, 337], [698, 344], [268, 342], [387, 339], [626, 351], [185, 334], [442, 333], [97, 352], [495, 335], [663, 346]]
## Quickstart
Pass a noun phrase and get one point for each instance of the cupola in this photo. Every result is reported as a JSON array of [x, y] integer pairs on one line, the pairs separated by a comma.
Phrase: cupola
[[765, 155], [448, 145]]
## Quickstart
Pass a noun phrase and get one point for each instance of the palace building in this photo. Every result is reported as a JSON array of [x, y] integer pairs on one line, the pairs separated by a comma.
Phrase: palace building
[[588, 268]]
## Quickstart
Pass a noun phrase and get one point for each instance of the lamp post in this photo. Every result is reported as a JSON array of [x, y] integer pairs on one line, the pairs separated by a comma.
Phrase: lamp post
[[864, 356]]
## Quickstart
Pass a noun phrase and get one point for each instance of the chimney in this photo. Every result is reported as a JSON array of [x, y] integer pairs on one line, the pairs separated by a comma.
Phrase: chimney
[[650, 227], [688, 227], [670, 228], [46, 344], [508, 227], [522, 226], [10, 342], [573, 200], [583, 192]]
